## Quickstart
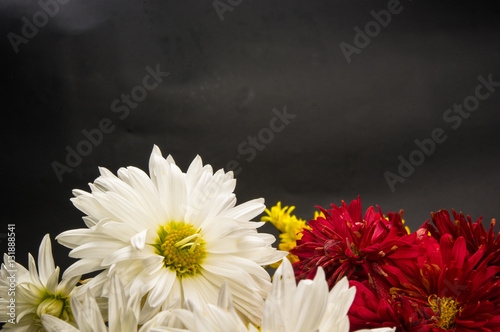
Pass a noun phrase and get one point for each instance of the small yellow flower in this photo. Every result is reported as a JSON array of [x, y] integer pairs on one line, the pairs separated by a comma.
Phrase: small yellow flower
[[277, 215], [290, 227]]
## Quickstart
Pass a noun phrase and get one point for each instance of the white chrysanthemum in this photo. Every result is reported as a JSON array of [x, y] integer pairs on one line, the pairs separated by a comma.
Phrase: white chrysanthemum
[[171, 236], [34, 294], [307, 307], [123, 313]]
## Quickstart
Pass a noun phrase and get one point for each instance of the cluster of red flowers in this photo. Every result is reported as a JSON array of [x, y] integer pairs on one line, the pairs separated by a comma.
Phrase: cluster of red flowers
[[443, 277]]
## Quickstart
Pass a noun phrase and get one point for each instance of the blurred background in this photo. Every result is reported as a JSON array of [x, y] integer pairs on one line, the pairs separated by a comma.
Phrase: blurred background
[[309, 102]]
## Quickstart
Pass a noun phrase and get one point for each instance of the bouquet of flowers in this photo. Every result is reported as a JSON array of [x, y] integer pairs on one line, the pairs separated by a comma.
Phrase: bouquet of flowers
[[172, 251]]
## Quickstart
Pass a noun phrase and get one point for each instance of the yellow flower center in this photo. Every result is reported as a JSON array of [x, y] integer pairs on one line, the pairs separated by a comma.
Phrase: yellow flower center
[[55, 305], [446, 310], [182, 246]]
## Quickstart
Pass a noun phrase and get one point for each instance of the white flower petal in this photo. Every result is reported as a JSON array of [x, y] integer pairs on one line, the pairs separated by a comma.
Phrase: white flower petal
[[124, 210], [153, 264], [35, 279], [117, 230], [147, 192], [225, 301], [145, 282], [247, 294], [139, 240], [284, 286], [177, 196], [88, 204], [95, 285], [53, 324], [199, 290], [97, 249], [83, 266], [312, 296], [231, 267], [159, 293], [125, 253], [159, 173], [342, 296], [77, 237], [194, 172], [52, 282], [247, 210], [45, 260], [89, 317], [272, 319], [67, 285]]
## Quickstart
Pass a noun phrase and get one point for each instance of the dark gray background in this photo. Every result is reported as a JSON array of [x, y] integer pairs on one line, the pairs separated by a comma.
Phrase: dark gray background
[[353, 120]]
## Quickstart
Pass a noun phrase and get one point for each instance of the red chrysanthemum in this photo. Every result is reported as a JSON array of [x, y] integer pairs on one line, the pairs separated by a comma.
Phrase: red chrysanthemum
[[474, 233], [344, 243], [461, 290]]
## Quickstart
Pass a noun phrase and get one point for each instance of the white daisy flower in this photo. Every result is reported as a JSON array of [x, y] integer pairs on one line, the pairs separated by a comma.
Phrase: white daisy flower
[[172, 235], [25, 295], [307, 307]]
